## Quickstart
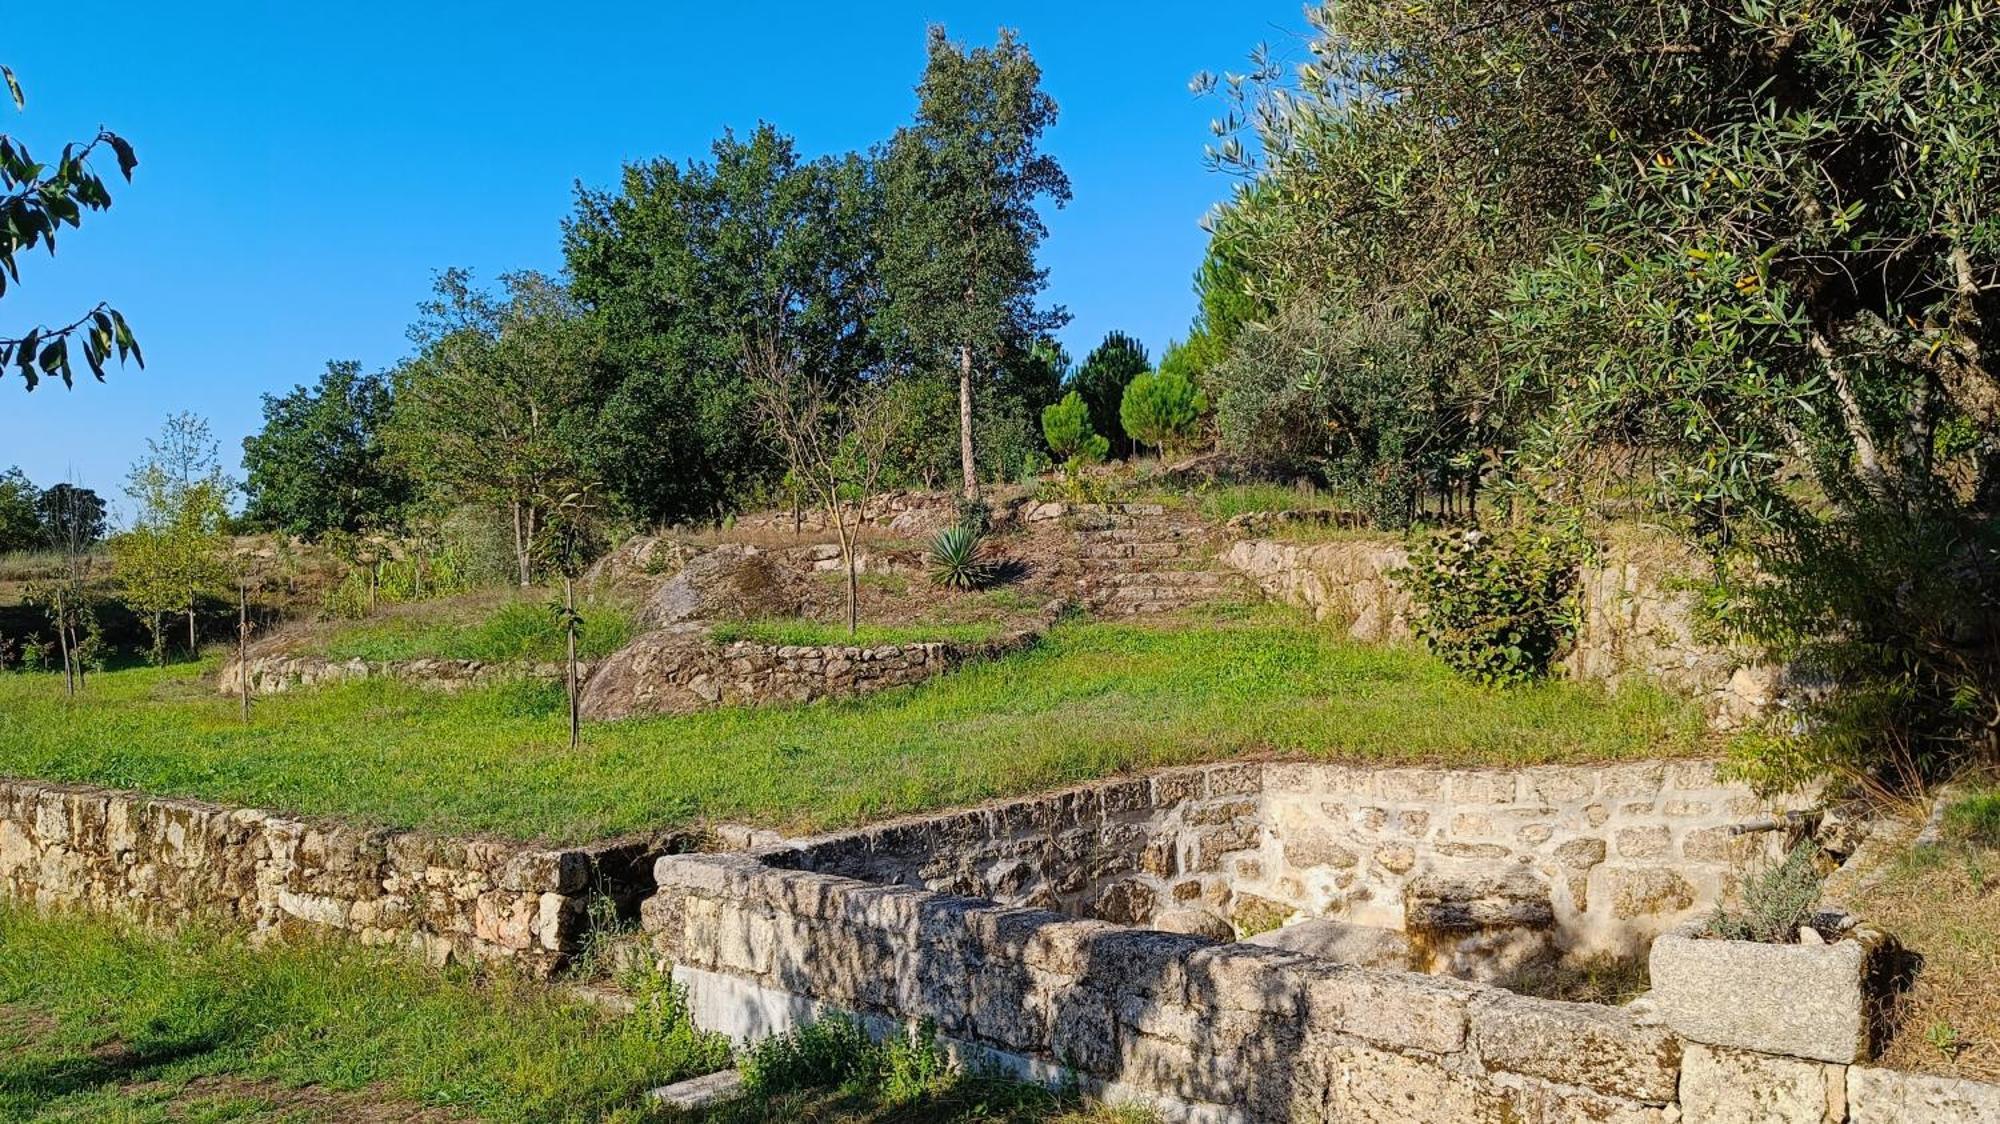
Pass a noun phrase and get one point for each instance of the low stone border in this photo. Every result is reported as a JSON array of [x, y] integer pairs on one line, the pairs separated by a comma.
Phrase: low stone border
[[172, 860], [681, 671], [273, 675]]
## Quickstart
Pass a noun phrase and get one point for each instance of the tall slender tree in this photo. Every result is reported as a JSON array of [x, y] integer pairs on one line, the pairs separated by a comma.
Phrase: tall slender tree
[[964, 183]]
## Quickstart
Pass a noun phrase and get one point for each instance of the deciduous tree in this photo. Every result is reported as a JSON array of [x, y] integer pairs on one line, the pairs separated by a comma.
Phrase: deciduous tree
[[321, 462]]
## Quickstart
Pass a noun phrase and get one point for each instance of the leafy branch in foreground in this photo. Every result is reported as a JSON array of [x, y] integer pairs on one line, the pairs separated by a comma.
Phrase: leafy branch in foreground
[[36, 201]]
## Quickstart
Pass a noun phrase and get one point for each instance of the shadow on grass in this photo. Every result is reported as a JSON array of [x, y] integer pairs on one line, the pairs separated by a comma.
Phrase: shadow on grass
[[40, 1079]]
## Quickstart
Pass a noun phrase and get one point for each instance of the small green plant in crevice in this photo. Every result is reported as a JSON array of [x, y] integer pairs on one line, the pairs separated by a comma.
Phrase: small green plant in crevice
[[1496, 607], [605, 933], [958, 559], [1778, 901]]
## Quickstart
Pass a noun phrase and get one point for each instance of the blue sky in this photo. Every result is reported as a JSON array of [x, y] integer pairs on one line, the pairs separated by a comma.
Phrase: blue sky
[[304, 168]]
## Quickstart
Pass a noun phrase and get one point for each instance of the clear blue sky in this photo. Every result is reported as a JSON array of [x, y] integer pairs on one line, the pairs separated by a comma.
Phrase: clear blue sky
[[304, 168]]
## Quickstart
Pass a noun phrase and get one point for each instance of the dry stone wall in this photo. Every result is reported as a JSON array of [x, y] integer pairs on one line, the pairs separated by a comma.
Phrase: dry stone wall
[[273, 675], [900, 923], [1610, 855], [1200, 1030], [1635, 620], [679, 671], [169, 860]]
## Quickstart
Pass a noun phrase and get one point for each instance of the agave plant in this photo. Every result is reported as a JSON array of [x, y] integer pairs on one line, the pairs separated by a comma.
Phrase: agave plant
[[958, 559]]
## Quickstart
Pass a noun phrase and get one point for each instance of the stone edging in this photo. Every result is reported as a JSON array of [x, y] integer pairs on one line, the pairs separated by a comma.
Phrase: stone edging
[[273, 675]]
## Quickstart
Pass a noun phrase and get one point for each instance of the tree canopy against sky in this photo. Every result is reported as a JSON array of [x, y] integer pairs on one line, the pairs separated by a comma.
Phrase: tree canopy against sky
[[321, 462], [674, 267], [964, 183]]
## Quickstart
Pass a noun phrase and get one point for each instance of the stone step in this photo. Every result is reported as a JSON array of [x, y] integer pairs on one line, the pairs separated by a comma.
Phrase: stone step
[[1139, 552], [1175, 579], [701, 1092]]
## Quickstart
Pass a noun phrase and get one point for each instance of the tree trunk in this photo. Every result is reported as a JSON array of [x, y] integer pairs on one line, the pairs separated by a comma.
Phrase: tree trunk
[[62, 641], [193, 652], [243, 647], [520, 545], [965, 459], [853, 577], [569, 630]]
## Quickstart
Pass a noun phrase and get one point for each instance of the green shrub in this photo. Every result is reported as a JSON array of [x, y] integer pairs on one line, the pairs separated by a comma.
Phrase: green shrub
[[1777, 901], [1066, 427], [1496, 607], [1162, 409], [975, 514], [958, 559]]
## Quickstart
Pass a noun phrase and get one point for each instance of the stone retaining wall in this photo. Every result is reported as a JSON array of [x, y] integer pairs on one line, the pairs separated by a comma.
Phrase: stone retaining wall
[[679, 671], [1224, 1032], [1635, 621], [1199, 1030], [169, 860], [1620, 853], [272, 675]]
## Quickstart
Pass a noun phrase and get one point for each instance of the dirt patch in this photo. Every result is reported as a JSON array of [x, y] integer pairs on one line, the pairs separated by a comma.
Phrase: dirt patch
[[244, 1099], [1943, 903], [20, 1027]]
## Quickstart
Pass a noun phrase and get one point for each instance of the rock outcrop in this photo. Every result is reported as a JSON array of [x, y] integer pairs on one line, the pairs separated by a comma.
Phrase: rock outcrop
[[729, 583], [680, 670]]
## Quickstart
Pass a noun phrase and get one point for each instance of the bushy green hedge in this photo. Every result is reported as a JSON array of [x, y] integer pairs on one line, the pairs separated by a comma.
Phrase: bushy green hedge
[[1497, 607]]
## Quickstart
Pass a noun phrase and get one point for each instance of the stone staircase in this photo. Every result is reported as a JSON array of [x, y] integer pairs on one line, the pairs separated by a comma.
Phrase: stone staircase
[[1140, 560]]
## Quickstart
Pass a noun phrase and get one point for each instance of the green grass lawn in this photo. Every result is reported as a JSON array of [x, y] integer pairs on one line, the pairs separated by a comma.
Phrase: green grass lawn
[[516, 631], [1094, 699], [101, 1020]]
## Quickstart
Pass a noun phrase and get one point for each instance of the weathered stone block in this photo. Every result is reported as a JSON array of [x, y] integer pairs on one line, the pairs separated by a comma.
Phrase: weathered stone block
[[1399, 1010], [1884, 1096], [1638, 892], [1736, 1087], [1342, 942], [1806, 1001], [1601, 1048], [1477, 898]]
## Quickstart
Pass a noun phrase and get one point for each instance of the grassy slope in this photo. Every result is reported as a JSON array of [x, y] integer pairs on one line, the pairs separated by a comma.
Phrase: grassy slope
[[817, 633], [1944, 902], [510, 632], [1095, 699]]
